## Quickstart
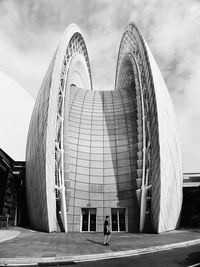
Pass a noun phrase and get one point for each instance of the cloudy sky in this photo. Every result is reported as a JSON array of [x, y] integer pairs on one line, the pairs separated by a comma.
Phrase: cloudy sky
[[31, 29]]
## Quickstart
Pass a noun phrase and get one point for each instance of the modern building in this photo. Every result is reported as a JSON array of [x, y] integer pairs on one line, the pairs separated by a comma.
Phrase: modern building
[[191, 198], [13, 209], [15, 119], [96, 153]]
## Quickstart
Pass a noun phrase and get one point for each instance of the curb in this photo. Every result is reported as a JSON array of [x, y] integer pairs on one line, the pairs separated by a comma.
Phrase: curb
[[66, 260]]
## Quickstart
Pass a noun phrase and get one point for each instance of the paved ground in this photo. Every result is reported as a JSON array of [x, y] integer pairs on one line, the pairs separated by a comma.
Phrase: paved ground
[[31, 246], [8, 234]]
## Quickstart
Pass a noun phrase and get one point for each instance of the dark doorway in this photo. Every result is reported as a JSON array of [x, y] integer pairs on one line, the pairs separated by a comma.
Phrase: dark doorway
[[88, 220], [118, 216], [191, 207]]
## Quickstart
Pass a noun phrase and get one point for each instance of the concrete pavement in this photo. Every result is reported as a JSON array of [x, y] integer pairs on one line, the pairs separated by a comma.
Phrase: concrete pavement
[[8, 234], [35, 248]]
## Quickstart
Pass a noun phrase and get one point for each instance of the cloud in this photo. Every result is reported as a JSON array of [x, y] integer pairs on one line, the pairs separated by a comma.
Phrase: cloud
[[30, 31]]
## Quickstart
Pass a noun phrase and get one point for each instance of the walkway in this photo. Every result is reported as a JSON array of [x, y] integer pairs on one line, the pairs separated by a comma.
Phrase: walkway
[[36, 247], [8, 234]]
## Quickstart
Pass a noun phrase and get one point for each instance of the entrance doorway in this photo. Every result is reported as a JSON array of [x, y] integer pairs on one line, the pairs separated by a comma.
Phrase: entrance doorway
[[88, 220], [190, 207], [118, 217]]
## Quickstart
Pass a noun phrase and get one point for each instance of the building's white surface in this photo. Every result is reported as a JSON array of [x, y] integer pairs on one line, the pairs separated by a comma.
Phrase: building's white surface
[[163, 159], [70, 62], [16, 106], [170, 154]]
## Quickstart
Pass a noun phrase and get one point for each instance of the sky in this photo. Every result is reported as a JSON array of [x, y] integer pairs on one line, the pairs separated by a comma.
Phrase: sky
[[30, 31]]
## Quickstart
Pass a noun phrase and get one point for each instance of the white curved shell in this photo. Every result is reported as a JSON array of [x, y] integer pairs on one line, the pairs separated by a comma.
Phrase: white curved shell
[[170, 154], [162, 160], [71, 56], [16, 106]]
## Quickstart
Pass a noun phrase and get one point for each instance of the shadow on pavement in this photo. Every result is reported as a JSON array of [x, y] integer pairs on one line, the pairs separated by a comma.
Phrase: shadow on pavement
[[96, 242], [192, 258]]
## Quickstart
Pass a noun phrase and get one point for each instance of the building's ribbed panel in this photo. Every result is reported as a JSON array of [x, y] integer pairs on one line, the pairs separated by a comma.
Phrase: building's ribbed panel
[[37, 181], [170, 154], [103, 155]]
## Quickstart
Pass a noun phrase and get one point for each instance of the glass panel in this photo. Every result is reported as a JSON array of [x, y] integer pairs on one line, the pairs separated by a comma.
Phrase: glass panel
[[92, 219], [122, 224], [85, 214], [93, 211], [114, 220]]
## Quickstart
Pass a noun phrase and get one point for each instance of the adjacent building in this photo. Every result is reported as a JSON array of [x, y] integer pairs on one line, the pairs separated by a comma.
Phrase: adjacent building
[[190, 216], [15, 118]]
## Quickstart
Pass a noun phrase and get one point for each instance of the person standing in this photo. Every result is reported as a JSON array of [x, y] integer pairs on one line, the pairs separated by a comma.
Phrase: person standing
[[107, 232]]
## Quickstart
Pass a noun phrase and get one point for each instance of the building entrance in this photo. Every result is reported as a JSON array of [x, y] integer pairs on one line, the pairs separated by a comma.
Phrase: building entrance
[[118, 217], [88, 219], [190, 207], [191, 198]]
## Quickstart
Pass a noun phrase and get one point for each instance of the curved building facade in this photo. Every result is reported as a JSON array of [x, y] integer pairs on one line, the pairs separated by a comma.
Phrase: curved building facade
[[97, 153], [14, 117]]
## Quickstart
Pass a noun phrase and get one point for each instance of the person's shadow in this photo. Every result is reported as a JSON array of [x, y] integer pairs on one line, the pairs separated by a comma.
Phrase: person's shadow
[[192, 258], [96, 242]]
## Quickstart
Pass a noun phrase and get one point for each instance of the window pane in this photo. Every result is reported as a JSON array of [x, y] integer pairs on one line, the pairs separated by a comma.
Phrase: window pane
[[122, 224], [85, 213], [114, 220]]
